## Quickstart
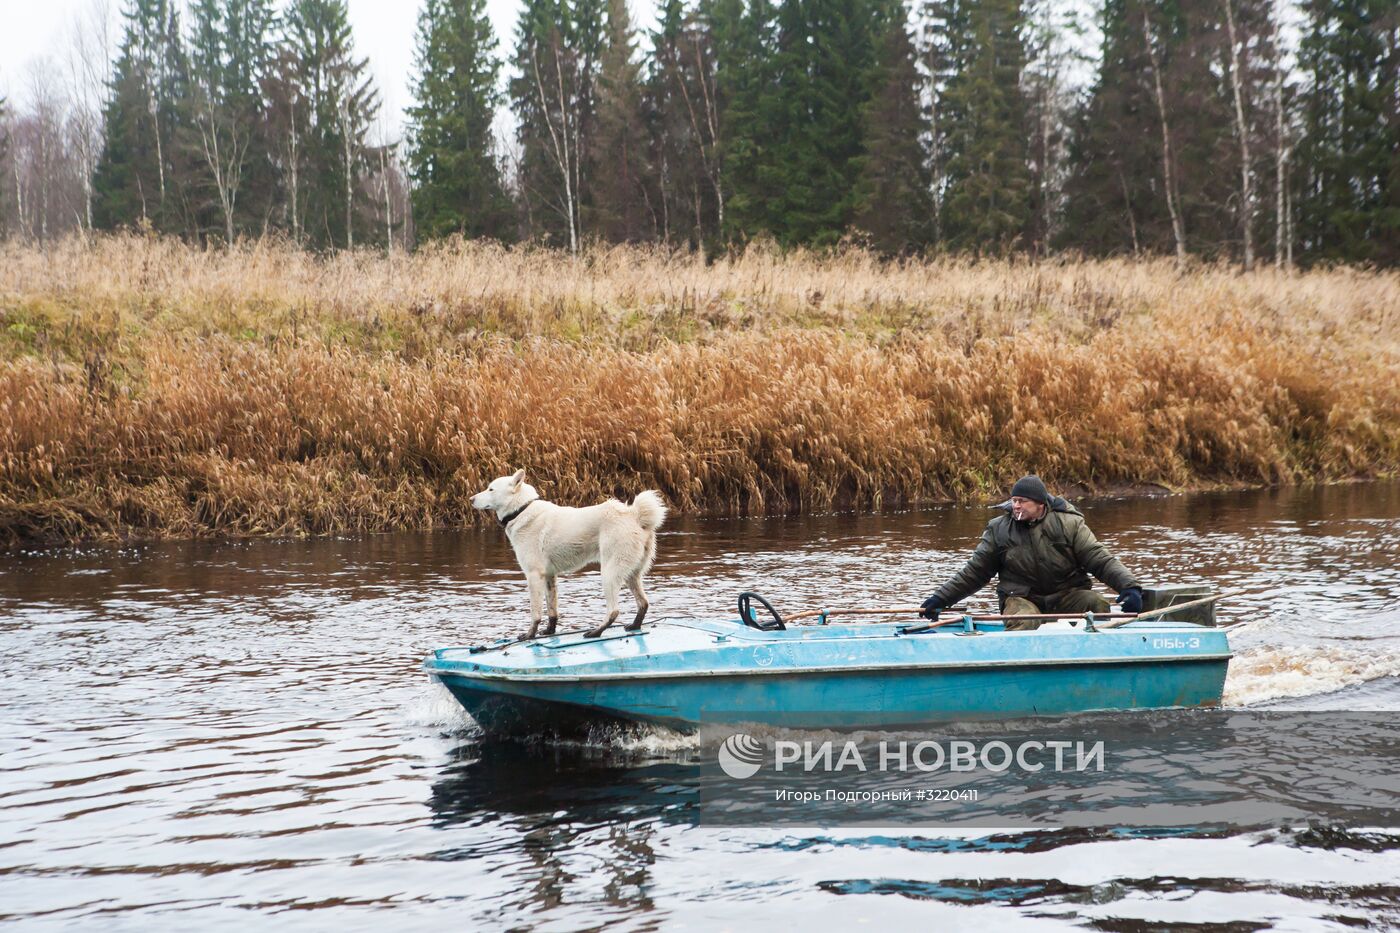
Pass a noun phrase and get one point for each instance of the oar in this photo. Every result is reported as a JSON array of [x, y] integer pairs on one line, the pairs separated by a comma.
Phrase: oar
[[1110, 620], [1154, 613], [916, 610], [892, 611]]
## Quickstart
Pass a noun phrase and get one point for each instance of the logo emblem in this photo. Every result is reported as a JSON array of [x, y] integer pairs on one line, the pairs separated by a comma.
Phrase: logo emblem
[[741, 755]]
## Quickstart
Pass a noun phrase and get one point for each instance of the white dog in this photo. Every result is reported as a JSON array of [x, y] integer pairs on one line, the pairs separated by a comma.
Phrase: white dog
[[552, 539]]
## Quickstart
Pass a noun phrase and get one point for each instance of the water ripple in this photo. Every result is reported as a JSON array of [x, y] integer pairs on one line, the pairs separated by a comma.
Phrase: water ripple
[[198, 733]]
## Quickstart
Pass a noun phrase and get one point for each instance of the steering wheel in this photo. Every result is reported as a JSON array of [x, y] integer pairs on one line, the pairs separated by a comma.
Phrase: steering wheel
[[746, 614]]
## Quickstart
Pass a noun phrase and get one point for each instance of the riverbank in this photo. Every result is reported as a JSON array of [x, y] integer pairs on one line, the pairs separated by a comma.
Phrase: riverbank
[[150, 389]]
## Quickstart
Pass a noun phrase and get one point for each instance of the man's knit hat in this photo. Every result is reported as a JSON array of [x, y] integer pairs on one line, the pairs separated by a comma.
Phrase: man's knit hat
[[1030, 487]]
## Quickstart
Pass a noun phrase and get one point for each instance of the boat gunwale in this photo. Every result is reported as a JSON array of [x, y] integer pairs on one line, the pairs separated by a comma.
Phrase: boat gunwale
[[840, 632], [431, 667]]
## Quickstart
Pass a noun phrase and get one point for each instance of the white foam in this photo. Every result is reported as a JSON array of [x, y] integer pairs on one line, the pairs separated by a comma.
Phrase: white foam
[[656, 740], [435, 707], [1259, 674]]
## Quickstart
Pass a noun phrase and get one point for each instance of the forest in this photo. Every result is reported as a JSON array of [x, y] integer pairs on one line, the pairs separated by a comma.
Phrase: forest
[[1246, 131]]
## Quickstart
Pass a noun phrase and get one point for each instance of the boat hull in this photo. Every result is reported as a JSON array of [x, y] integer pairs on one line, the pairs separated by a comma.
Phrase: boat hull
[[832, 679]]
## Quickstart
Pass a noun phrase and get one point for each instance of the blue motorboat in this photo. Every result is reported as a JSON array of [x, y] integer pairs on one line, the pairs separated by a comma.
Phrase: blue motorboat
[[684, 673]]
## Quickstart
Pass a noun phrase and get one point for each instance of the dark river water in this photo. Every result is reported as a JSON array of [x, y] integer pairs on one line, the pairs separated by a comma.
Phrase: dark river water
[[202, 735]]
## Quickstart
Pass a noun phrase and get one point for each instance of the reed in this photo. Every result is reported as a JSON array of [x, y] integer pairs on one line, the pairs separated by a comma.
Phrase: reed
[[148, 388]]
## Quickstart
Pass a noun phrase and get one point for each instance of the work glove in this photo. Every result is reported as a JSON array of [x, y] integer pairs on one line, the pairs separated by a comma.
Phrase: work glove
[[1131, 600], [931, 608]]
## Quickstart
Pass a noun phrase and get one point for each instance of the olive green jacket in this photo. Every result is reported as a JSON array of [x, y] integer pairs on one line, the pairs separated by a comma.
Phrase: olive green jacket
[[1039, 558]]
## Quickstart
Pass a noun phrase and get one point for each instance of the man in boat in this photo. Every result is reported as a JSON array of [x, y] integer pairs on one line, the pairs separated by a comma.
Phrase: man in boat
[[1042, 554]]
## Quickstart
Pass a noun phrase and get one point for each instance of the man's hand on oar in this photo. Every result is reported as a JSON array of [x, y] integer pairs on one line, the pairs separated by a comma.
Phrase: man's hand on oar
[[931, 608], [1131, 600]]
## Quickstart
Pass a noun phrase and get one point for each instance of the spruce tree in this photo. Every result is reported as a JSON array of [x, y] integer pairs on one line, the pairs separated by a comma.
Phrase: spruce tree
[[825, 54], [793, 126], [452, 160], [619, 156], [752, 152], [686, 114], [1193, 41], [588, 31], [141, 175], [894, 193], [1155, 155], [666, 124], [1349, 202], [230, 57], [986, 201], [1113, 200], [722, 22], [337, 105]]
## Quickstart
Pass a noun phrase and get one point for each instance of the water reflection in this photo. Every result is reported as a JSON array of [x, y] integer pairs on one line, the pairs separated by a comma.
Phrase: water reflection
[[556, 803], [578, 785]]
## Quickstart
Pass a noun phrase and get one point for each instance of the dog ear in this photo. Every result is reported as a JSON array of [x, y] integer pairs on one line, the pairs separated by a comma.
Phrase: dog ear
[[519, 475]]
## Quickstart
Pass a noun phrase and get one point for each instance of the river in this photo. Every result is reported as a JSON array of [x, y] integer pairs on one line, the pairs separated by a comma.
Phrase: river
[[215, 734]]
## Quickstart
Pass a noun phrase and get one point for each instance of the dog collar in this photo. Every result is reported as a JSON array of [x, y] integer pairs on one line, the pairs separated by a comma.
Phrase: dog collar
[[506, 520]]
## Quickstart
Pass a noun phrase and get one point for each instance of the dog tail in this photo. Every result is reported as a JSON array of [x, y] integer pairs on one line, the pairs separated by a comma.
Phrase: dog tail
[[650, 509]]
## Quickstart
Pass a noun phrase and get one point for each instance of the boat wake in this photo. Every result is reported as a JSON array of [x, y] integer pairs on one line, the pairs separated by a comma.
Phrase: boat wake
[[433, 706], [1261, 674]]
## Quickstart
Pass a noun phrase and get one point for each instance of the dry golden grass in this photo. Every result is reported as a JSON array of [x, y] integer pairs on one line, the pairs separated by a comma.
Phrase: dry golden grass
[[150, 388]]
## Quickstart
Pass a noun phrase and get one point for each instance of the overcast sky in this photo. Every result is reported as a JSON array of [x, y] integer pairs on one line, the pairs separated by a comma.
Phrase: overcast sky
[[384, 32]]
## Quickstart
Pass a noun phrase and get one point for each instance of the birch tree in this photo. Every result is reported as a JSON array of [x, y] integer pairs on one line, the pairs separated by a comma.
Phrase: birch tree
[[684, 99], [329, 103], [230, 53], [1283, 239], [620, 165], [545, 97], [1242, 134], [88, 56], [1168, 181], [559, 49]]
